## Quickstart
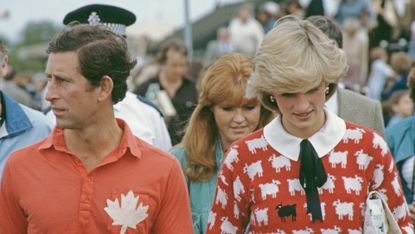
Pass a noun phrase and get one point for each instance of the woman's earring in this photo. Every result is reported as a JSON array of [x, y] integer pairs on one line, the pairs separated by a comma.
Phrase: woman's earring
[[327, 90], [271, 99]]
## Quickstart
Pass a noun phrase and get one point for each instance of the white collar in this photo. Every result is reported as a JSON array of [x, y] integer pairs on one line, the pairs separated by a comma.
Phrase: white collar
[[332, 103], [323, 141]]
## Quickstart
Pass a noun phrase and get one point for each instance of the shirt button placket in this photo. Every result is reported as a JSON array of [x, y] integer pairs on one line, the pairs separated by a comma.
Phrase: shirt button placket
[[85, 202]]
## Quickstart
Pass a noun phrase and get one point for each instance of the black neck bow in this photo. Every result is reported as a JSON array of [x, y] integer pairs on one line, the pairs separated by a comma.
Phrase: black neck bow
[[312, 175]]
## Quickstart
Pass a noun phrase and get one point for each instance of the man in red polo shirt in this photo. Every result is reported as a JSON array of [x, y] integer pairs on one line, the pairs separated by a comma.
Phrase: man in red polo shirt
[[91, 175]]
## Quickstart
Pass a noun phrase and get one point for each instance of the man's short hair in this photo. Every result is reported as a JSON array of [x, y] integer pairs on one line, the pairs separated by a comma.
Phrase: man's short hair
[[100, 52], [174, 45], [328, 27]]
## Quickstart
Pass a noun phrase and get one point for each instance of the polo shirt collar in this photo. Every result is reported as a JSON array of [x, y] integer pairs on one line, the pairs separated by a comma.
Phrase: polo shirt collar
[[128, 141], [323, 141]]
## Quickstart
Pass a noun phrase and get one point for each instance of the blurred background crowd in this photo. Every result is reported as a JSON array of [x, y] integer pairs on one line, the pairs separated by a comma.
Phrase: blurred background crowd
[[378, 39]]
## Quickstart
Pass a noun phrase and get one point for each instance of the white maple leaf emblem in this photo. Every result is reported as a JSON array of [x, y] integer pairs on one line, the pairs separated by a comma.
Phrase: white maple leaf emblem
[[128, 214]]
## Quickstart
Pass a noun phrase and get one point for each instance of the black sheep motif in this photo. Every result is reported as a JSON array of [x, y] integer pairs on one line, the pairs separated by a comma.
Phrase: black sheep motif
[[287, 211]]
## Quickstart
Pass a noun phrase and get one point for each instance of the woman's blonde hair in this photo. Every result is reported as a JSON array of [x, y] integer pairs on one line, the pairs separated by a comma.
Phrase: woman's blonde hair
[[224, 81], [295, 57]]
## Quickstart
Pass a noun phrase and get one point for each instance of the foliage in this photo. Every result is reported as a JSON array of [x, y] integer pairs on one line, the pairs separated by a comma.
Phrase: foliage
[[38, 32], [34, 34]]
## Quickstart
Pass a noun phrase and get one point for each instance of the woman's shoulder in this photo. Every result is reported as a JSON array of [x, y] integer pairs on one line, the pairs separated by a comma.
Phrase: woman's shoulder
[[361, 134], [180, 153]]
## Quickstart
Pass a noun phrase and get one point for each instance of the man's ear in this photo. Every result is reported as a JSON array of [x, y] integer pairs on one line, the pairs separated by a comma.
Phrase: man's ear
[[4, 68], [105, 88]]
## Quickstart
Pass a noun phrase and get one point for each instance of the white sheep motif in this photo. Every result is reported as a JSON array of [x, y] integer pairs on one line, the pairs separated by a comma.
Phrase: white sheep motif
[[253, 169], [269, 189], [226, 227], [343, 209], [339, 157], [231, 157], [279, 162], [353, 134], [363, 159], [257, 143]]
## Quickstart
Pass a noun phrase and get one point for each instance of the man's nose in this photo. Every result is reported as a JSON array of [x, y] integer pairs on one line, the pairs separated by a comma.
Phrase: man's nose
[[50, 91]]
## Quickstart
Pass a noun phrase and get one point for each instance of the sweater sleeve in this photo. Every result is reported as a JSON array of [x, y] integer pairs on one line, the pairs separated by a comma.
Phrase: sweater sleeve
[[230, 209], [384, 177]]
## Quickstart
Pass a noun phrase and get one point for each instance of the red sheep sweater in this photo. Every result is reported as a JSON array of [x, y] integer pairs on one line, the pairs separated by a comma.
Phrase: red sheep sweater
[[258, 182]]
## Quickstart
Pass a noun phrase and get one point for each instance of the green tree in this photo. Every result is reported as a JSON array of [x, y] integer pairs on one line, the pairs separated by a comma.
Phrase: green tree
[[29, 52], [38, 32]]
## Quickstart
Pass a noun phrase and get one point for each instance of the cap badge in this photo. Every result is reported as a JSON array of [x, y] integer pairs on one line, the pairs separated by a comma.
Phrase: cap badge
[[94, 19]]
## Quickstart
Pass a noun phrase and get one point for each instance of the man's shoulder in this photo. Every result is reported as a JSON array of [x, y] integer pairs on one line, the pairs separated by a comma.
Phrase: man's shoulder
[[149, 106], [163, 163], [141, 105], [142, 88], [351, 102], [155, 155], [356, 97], [189, 85], [20, 117], [146, 83], [360, 109], [27, 155], [188, 81]]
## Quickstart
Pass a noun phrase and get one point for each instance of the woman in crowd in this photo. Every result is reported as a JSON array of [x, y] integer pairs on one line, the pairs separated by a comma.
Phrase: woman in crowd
[[222, 116], [401, 138], [307, 171]]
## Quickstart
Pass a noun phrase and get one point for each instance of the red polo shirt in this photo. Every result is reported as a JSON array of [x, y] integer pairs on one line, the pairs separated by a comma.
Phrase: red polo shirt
[[137, 188]]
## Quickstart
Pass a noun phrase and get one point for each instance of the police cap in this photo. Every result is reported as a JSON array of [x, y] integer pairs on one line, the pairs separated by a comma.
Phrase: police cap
[[114, 18]]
